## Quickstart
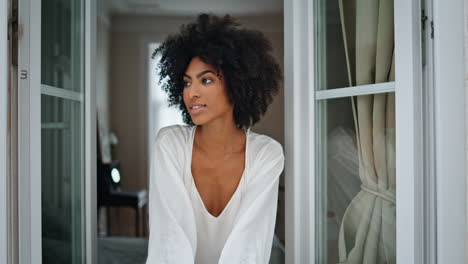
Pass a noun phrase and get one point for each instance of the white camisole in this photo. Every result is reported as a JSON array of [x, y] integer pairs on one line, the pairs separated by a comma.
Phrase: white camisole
[[212, 232]]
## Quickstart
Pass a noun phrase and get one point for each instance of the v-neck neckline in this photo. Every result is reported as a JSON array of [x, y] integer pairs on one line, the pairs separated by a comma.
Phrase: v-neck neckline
[[192, 140]]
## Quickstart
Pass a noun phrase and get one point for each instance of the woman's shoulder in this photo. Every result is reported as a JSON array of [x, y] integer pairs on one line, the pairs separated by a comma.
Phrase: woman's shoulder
[[174, 134], [263, 144], [174, 130], [266, 158]]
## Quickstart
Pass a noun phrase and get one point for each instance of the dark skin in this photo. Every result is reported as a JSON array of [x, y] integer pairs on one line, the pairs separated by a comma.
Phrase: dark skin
[[218, 155]]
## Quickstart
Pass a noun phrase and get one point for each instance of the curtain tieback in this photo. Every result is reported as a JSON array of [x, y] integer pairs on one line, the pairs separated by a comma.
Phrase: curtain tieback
[[384, 195]]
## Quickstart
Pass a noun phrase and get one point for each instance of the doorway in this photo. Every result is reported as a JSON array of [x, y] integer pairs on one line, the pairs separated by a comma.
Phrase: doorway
[[126, 38]]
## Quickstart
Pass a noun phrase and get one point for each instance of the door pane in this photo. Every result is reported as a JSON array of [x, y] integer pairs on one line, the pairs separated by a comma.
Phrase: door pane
[[62, 132], [356, 209], [62, 44], [330, 48], [356, 180], [355, 42], [62, 203]]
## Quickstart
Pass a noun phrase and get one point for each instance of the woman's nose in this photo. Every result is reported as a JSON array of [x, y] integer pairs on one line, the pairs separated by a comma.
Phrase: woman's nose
[[194, 90]]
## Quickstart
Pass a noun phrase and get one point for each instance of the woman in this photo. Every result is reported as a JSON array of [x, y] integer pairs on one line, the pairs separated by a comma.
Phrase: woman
[[214, 183]]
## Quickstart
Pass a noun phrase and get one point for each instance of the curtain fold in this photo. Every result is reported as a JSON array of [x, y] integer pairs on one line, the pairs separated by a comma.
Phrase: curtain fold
[[368, 229]]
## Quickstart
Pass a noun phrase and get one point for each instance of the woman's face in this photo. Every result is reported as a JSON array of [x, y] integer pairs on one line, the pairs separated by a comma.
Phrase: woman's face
[[205, 93]]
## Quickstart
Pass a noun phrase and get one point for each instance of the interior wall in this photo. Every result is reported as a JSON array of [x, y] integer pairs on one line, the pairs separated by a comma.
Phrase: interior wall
[[130, 35], [102, 83], [102, 68]]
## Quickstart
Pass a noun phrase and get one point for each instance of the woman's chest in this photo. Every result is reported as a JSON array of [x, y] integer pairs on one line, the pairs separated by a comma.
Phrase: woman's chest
[[216, 180]]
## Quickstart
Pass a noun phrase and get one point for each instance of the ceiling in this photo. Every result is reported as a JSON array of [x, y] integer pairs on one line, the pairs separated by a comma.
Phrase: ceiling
[[191, 7]]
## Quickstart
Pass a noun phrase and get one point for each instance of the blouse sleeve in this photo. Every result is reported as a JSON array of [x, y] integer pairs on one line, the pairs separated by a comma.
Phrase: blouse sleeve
[[251, 239], [172, 237]]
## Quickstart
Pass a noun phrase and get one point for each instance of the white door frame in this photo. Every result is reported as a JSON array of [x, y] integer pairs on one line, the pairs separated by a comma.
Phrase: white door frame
[[409, 125], [90, 39], [450, 145], [29, 132], [300, 127], [299, 131], [4, 132]]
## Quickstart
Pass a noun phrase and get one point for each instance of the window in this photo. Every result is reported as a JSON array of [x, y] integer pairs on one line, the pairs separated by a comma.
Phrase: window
[[355, 132], [161, 114]]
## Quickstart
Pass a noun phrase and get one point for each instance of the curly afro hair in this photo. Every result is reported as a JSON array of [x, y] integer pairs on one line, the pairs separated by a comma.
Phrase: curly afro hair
[[252, 75]]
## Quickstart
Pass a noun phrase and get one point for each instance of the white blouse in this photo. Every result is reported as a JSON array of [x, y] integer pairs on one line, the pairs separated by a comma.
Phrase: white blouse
[[212, 232], [181, 228]]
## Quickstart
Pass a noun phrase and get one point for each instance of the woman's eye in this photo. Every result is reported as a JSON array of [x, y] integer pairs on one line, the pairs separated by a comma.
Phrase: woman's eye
[[186, 84], [207, 81]]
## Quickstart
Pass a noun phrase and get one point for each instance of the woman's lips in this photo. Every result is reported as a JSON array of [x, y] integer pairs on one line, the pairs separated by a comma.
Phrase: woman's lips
[[196, 109]]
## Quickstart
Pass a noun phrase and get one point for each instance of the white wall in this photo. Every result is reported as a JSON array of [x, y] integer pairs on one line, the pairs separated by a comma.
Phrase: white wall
[[128, 92], [102, 68], [102, 82]]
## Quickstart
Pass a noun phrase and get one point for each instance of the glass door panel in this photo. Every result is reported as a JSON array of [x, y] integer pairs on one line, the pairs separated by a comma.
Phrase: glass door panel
[[354, 44], [356, 181], [61, 44], [355, 144], [61, 180], [62, 131], [330, 51]]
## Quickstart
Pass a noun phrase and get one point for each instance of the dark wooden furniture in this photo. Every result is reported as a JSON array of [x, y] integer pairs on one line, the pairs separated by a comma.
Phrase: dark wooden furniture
[[111, 195]]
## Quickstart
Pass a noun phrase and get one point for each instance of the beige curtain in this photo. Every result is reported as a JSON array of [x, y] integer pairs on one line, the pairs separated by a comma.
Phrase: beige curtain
[[367, 233]]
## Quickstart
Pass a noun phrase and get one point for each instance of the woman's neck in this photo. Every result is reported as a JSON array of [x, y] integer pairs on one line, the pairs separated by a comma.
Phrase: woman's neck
[[220, 138]]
